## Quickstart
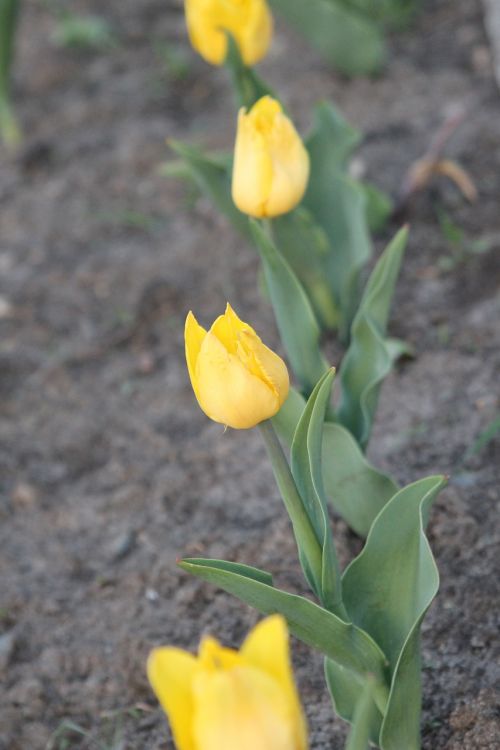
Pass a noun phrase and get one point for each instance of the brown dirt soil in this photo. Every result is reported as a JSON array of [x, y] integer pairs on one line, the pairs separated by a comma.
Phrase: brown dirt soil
[[109, 471]]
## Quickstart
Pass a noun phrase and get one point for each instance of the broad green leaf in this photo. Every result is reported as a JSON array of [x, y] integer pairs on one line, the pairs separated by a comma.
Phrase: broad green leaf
[[387, 590], [370, 357], [379, 207], [401, 724], [307, 472], [346, 40], [355, 488], [306, 248], [346, 690], [342, 642], [213, 177], [295, 318], [339, 206], [362, 722], [249, 88], [247, 571]]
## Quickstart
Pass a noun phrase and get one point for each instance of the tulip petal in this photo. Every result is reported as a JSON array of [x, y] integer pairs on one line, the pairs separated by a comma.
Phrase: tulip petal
[[193, 336], [250, 22], [241, 708], [290, 162], [171, 672], [267, 648], [227, 392], [252, 170], [271, 164], [240, 338], [212, 656]]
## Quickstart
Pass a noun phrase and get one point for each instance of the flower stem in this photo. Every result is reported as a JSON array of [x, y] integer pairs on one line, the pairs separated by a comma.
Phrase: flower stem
[[305, 535]]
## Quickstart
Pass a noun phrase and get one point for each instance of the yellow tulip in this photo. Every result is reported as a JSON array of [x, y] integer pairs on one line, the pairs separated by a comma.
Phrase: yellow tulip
[[271, 164], [249, 21], [237, 380], [232, 700]]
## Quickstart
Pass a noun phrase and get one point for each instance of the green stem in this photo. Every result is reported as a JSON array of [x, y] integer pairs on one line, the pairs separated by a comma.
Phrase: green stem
[[303, 529]]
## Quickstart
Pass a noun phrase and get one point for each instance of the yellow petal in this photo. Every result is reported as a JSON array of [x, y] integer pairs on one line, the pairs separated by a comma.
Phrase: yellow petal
[[252, 169], [290, 169], [267, 365], [212, 656], [171, 673], [249, 21], [193, 338], [259, 359], [271, 164], [241, 709], [267, 648], [227, 392]]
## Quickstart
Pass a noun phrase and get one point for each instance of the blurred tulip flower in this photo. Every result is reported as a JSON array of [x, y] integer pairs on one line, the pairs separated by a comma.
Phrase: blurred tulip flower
[[225, 699], [237, 380], [249, 21], [271, 164]]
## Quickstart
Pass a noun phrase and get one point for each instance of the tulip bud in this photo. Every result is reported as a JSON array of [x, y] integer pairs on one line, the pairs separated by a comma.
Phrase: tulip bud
[[249, 21], [271, 164], [224, 698], [237, 380]]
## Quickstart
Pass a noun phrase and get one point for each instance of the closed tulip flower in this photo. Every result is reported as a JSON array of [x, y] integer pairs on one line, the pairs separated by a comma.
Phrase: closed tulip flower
[[231, 700], [237, 380], [271, 164], [249, 21]]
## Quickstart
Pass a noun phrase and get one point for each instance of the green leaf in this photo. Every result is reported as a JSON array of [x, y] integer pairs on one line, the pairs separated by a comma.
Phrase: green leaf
[[307, 472], [342, 642], [249, 88], [9, 17], [212, 174], [387, 590], [339, 206], [308, 542], [348, 41], [306, 248], [370, 357], [355, 488], [346, 690], [363, 719], [379, 207], [247, 571], [392, 12], [296, 322]]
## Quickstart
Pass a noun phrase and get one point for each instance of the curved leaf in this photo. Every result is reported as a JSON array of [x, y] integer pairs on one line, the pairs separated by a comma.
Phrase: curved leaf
[[387, 590], [307, 472], [296, 322], [362, 722], [305, 246], [370, 356], [339, 205], [348, 41], [340, 641], [346, 690], [356, 489]]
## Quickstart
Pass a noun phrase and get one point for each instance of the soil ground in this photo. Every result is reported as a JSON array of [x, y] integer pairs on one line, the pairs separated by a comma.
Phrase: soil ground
[[109, 470]]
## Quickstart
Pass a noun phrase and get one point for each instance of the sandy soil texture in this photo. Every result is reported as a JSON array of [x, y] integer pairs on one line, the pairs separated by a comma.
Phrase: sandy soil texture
[[108, 469]]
